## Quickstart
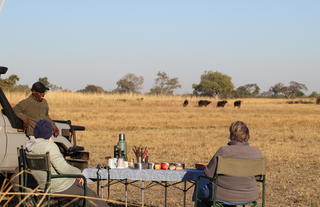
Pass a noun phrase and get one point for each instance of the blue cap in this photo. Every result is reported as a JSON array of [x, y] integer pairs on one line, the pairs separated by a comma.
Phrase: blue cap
[[43, 129]]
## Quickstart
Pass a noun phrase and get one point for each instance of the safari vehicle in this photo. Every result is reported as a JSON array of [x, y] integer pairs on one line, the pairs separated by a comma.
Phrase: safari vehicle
[[12, 136]]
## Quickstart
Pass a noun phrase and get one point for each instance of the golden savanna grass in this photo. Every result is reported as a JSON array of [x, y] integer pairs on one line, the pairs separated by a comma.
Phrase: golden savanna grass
[[287, 134]]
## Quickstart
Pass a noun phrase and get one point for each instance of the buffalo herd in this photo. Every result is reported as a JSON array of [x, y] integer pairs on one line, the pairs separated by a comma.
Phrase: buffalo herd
[[220, 104], [203, 103]]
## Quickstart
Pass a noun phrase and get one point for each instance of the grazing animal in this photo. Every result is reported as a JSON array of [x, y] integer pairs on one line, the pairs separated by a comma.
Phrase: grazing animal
[[221, 103], [185, 103], [203, 103], [318, 101], [237, 103]]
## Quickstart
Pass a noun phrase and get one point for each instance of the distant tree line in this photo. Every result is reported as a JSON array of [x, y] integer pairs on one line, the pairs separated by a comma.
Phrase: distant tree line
[[213, 84]]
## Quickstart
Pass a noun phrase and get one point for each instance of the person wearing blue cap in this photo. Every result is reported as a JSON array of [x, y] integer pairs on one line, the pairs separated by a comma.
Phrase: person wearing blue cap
[[42, 143], [34, 108]]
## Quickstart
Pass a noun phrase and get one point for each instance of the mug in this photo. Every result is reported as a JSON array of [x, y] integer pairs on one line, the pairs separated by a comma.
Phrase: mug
[[150, 165], [112, 162], [120, 163]]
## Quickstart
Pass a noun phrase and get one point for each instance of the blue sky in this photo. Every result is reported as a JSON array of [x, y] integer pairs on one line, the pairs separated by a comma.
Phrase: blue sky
[[76, 43]]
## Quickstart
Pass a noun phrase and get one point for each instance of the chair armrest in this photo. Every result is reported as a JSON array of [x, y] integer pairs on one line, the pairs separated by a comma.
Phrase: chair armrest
[[204, 176], [68, 176], [260, 178], [75, 176]]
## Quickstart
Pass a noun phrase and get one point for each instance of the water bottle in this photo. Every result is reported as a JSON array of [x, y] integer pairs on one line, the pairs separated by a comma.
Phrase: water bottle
[[122, 146]]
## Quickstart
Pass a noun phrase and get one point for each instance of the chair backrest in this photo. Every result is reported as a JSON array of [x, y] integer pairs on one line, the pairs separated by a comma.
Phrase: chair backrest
[[37, 161], [241, 167]]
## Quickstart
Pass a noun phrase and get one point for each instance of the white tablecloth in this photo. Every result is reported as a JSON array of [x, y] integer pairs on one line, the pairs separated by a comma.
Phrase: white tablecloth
[[144, 174]]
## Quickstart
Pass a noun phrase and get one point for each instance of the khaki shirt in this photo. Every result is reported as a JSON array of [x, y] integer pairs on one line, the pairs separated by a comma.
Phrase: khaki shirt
[[33, 110]]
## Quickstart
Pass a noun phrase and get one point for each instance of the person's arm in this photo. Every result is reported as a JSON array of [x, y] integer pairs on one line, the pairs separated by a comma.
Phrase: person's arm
[[54, 127], [211, 167], [19, 110], [59, 163]]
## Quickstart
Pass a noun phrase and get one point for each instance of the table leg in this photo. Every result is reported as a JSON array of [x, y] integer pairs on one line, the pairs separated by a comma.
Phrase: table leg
[[109, 182], [165, 193], [126, 189], [142, 193], [98, 186], [184, 193]]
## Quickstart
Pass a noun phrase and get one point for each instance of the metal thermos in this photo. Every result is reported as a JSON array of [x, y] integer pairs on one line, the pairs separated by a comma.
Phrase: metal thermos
[[120, 150]]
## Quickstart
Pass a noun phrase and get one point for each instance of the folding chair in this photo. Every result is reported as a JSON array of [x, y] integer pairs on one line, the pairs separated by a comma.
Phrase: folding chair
[[41, 162], [237, 167]]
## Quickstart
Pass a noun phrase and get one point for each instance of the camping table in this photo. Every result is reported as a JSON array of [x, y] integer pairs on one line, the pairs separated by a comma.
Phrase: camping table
[[164, 178]]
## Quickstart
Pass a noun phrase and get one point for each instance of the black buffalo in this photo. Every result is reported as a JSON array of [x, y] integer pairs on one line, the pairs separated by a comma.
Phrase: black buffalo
[[318, 101], [237, 103], [185, 103], [203, 103], [221, 103]]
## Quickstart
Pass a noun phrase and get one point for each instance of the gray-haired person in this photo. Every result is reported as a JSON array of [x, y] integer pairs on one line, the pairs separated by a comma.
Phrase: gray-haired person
[[230, 189], [41, 143]]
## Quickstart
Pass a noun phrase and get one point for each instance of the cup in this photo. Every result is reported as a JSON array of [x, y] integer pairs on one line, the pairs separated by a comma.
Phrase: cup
[[112, 162], [150, 165], [140, 166], [120, 163]]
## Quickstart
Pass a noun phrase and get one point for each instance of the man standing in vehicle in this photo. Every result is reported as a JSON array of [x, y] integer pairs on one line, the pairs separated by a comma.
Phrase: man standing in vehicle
[[35, 108]]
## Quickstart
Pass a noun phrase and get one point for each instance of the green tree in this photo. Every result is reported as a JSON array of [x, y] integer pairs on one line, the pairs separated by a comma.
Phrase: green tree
[[10, 84], [213, 84], [245, 91], [314, 94], [130, 83], [92, 89], [46, 82], [278, 89], [295, 89], [164, 85]]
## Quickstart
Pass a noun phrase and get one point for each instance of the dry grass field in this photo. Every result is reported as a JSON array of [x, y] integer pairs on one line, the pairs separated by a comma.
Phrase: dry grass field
[[287, 134]]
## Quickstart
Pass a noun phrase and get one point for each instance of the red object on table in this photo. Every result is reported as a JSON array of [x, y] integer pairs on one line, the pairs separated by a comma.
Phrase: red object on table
[[164, 166]]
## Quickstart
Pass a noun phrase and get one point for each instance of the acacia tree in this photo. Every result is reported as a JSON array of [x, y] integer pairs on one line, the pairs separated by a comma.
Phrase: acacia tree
[[130, 83], [164, 85], [278, 89], [213, 84], [248, 90], [295, 89]]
